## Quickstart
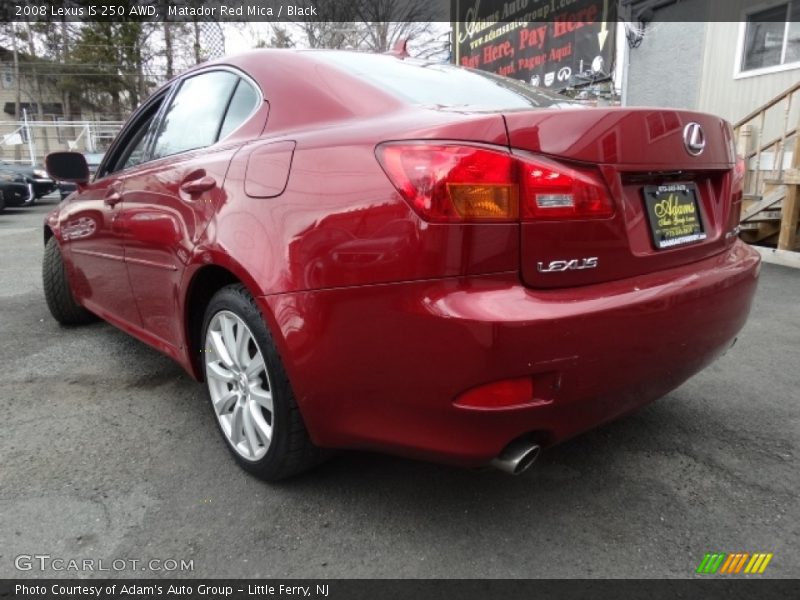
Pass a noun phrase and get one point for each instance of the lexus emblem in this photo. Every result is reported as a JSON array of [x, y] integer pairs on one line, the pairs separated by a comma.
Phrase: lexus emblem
[[694, 138]]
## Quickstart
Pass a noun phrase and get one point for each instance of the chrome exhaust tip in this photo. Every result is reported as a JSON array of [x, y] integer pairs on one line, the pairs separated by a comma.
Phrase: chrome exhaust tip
[[516, 457]]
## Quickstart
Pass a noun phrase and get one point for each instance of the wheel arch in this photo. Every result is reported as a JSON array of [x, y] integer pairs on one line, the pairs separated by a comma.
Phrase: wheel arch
[[202, 284], [205, 282]]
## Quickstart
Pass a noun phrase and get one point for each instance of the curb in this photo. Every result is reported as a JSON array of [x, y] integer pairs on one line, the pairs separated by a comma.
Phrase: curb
[[785, 258]]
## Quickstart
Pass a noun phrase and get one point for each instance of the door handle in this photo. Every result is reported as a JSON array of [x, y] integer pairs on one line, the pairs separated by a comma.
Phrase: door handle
[[112, 198], [195, 186]]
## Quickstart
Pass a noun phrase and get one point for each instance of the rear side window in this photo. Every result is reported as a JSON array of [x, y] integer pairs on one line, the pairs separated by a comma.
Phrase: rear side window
[[194, 118], [244, 102], [437, 84]]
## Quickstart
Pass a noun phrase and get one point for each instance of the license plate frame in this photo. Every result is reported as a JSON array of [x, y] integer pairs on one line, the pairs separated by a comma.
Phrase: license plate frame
[[675, 215]]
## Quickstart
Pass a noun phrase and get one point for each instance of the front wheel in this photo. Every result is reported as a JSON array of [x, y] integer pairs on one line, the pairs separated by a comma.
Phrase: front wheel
[[57, 293], [250, 393]]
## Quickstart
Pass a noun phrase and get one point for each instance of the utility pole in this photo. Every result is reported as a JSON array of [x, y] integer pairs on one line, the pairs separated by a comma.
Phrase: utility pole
[[17, 81]]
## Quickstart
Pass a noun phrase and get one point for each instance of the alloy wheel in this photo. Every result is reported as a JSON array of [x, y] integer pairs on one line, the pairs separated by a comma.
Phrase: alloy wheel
[[239, 385]]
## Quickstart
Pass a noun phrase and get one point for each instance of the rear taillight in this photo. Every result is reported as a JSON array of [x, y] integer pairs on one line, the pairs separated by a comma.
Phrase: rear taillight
[[446, 183], [459, 183], [555, 191]]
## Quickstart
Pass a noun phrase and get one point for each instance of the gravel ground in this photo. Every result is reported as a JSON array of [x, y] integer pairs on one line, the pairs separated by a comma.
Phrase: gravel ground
[[110, 452]]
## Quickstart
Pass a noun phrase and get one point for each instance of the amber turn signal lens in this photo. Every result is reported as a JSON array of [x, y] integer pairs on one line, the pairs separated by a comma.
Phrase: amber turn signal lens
[[485, 202]]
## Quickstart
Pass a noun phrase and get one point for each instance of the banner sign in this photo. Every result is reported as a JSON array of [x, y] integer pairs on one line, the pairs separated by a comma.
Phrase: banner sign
[[395, 589], [547, 43]]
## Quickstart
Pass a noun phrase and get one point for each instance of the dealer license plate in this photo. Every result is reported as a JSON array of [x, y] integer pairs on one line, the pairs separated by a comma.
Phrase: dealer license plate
[[674, 214]]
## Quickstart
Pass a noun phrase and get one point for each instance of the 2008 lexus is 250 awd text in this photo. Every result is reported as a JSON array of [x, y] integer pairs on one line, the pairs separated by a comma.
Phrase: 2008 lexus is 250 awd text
[[369, 251]]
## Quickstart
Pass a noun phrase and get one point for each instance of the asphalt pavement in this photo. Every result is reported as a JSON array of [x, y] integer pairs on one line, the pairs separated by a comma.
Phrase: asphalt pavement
[[109, 452]]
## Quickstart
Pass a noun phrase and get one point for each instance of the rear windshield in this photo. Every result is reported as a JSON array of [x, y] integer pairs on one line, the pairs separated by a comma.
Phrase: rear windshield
[[437, 84]]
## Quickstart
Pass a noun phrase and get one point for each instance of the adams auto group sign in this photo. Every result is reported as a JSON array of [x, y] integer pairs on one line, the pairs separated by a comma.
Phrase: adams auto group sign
[[542, 42]]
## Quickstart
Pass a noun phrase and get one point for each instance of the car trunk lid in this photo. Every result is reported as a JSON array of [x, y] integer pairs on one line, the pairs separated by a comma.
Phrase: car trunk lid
[[642, 157]]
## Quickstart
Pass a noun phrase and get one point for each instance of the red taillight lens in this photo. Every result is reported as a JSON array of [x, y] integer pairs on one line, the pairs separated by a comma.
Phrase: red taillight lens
[[450, 183], [555, 191], [458, 183]]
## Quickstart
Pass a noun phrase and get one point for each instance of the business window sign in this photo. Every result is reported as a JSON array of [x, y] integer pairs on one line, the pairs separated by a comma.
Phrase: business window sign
[[548, 43]]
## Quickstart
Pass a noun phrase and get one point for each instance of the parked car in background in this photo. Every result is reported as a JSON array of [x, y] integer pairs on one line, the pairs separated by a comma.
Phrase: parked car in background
[[14, 188], [93, 160], [364, 251], [36, 177]]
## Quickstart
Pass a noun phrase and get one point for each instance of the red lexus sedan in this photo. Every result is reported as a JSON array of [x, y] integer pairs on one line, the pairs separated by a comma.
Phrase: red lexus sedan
[[365, 251]]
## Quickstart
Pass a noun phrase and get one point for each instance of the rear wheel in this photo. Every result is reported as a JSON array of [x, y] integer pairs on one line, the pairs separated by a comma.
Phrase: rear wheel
[[249, 391], [57, 292]]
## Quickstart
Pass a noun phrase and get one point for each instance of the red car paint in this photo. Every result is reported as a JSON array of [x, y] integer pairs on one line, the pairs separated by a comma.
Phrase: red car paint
[[384, 321]]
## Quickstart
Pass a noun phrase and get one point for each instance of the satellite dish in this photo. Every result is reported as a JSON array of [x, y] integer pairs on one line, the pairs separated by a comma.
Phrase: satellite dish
[[597, 64]]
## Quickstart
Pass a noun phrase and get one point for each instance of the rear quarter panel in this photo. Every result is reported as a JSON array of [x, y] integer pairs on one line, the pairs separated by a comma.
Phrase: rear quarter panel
[[340, 221]]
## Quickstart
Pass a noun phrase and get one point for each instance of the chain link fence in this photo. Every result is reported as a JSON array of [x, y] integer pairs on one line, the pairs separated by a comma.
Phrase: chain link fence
[[28, 142]]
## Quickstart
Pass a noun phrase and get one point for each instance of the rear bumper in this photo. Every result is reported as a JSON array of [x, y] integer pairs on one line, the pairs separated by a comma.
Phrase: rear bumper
[[379, 367]]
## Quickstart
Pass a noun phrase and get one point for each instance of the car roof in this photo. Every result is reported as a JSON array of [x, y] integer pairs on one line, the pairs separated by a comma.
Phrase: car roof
[[303, 91]]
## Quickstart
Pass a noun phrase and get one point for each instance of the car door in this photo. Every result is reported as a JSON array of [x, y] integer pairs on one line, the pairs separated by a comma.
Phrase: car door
[[92, 237], [170, 200]]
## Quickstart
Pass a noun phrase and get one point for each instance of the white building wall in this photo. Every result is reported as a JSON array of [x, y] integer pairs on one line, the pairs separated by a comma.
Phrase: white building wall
[[731, 95], [693, 64]]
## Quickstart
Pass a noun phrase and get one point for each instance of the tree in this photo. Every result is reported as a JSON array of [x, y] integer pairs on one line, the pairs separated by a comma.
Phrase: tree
[[281, 38], [337, 28], [168, 49], [374, 25], [385, 22], [116, 59]]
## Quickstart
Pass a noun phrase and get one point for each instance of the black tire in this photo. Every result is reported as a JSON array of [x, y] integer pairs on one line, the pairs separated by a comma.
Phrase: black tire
[[57, 292], [290, 450]]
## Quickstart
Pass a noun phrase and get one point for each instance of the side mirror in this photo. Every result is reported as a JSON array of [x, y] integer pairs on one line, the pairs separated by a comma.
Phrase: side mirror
[[67, 166]]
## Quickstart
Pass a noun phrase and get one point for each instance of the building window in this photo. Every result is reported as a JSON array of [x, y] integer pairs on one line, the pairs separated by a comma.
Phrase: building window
[[8, 79], [772, 37]]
